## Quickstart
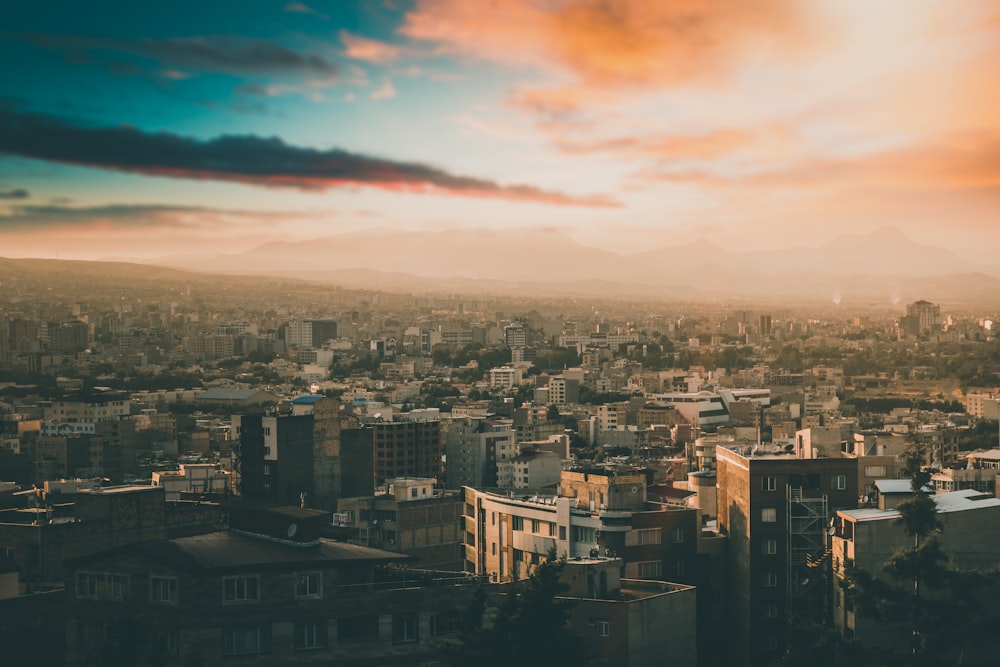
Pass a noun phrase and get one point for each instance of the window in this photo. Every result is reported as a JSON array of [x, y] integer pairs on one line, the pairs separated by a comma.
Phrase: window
[[770, 580], [310, 635], [101, 586], [536, 526], [769, 515], [240, 589], [649, 569], [769, 547], [679, 568], [647, 536], [874, 471], [493, 548], [768, 483], [246, 640], [357, 629], [517, 522], [677, 535], [308, 584], [584, 534], [92, 635], [603, 628], [839, 482], [551, 529], [470, 510], [172, 643], [771, 611], [444, 624], [163, 590], [267, 469], [493, 518], [562, 532], [404, 629]]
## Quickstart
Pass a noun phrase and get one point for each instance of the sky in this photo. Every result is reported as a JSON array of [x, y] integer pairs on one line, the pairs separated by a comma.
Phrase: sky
[[142, 130]]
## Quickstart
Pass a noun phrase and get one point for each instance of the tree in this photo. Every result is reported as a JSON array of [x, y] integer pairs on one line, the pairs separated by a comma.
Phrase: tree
[[530, 627]]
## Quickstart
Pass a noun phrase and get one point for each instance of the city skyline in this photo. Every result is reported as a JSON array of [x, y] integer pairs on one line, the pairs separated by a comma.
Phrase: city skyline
[[150, 131]]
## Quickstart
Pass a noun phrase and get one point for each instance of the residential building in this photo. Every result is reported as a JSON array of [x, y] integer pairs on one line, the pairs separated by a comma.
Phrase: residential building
[[311, 458], [774, 509], [473, 448], [625, 622], [412, 517], [270, 590], [408, 445], [970, 537]]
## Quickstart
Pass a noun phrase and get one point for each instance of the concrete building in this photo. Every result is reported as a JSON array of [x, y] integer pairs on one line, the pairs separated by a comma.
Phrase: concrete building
[[408, 445], [529, 469], [412, 518], [322, 454], [473, 448], [630, 622], [193, 480], [774, 509], [270, 590], [970, 537]]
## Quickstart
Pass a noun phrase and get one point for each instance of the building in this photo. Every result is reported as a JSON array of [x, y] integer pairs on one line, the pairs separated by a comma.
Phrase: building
[[970, 537], [775, 510], [629, 622], [596, 512], [93, 407], [269, 590], [922, 318], [408, 445], [529, 469], [193, 480], [412, 518], [311, 458], [473, 448]]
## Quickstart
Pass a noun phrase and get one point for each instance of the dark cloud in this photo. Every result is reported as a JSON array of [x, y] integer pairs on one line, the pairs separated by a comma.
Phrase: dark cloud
[[231, 55], [16, 193], [244, 159], [129, 216]]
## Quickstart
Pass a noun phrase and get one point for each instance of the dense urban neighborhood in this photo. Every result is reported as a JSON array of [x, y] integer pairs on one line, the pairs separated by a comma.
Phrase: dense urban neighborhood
[[200, 469]]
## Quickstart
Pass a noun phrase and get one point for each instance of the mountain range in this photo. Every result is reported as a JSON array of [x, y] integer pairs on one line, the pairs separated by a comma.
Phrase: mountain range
[[884, 266]]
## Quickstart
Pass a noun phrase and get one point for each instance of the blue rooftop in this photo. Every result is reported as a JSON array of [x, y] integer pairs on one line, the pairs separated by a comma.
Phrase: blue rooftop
[[308, 400]]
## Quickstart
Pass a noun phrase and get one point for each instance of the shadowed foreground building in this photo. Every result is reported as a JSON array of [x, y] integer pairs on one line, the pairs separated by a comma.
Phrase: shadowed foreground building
[[775, 511], [269, 590]]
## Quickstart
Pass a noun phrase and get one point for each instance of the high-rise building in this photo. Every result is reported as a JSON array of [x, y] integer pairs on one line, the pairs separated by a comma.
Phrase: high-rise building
[[922, 318], [407, 446], [775, 511], [312, 458], [473, 447]]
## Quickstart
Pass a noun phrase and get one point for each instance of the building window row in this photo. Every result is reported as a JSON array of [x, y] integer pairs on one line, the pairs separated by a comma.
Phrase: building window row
[[102, 586]]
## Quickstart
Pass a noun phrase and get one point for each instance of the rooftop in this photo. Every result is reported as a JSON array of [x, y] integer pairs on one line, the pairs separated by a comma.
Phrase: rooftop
[[952, 501], [231, 549]]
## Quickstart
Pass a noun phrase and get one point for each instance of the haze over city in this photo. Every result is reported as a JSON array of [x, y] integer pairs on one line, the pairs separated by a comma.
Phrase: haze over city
[[143, 132]]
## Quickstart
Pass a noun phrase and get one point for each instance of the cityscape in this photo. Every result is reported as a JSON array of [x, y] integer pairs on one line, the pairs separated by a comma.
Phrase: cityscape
[[430, 333]]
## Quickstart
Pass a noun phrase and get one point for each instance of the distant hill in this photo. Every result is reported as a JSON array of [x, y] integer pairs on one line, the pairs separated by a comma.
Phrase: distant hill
[[884, 266]]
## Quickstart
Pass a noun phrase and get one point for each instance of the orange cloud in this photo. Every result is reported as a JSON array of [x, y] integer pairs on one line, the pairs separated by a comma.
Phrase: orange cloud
[[624, 43], [368, 50], [962, 161]]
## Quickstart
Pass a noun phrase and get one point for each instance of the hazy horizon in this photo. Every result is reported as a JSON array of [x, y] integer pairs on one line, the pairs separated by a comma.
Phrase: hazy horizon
[[146, 132]]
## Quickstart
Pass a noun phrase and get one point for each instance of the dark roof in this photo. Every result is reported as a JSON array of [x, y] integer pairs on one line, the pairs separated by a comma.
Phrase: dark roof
[[231, 549]]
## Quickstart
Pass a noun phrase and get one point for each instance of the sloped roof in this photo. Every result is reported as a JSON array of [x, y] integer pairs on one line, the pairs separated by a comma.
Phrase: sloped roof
[[232, 549]]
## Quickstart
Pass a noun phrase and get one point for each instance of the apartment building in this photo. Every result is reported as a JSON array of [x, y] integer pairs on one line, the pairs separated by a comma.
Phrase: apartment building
[[412, 517], [774, 509]]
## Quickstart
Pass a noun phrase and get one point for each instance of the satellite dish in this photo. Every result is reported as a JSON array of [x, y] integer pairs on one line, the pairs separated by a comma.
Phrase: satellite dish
[[292, 529], [832, 530]]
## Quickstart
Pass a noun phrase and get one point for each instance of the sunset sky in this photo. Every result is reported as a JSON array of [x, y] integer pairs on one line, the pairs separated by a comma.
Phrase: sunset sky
[[139, 129]]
